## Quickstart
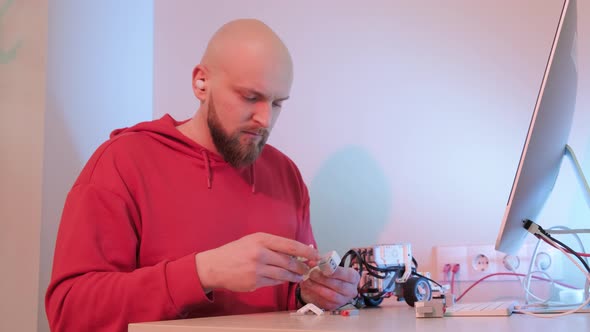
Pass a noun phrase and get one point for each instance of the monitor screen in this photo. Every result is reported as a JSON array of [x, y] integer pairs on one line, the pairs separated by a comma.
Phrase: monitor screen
[[547, 135]]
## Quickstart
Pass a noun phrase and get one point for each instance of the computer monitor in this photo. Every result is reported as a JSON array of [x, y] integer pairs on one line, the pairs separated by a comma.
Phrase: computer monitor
[[547, 136]]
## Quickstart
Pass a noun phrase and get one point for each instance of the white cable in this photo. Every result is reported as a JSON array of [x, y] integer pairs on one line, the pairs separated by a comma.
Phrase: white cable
[[529, 276], [534, 255], [580, 243], [529, 292], [526, 284], [586, 274], [570, 231]]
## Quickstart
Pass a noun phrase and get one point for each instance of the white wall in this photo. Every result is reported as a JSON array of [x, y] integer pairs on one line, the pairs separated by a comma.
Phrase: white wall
[[23, 49], [421, 107], [407, 119], [99, 77]]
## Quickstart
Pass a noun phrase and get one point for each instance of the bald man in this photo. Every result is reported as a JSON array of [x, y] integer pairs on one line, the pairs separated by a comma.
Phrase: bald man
[[176, 219]]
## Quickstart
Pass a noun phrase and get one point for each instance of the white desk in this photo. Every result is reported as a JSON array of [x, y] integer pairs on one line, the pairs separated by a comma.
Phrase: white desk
[[388, 317]]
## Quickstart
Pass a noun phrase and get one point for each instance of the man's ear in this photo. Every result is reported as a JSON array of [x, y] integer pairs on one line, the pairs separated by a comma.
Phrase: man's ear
[[200, 83]]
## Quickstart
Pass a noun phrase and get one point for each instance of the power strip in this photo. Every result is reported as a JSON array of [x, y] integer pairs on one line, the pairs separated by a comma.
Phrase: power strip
[[478, 261]]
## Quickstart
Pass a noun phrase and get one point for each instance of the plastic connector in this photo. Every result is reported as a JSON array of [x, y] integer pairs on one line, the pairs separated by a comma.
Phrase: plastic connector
[[329, 263], [456, 268], [447, 268], [310, 307], [446, 271], [303, 259], [345, 312], [531, 227], [430, 309]]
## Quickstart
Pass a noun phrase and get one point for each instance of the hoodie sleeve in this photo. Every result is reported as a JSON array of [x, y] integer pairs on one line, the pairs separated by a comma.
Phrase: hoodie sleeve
[[96, 284]]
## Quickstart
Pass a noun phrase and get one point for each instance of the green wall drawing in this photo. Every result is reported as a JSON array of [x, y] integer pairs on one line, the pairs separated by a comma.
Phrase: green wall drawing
[[9, 54]]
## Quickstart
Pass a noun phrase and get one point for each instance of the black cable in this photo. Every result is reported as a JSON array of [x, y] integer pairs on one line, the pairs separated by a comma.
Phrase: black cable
[[358, 257], [362, 262], [375, 270], [570, 250], [379, 294], [419, 275], [565, 247], [370, 268]]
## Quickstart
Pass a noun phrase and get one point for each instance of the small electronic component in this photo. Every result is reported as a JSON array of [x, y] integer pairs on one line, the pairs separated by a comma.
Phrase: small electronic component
[[346, 312], [329, 262], [310, 307], [349, 312], [434, 308], [388, 270]]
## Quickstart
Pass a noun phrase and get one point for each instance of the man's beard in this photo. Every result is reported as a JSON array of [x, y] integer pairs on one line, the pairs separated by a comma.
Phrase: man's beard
[[229, 146]]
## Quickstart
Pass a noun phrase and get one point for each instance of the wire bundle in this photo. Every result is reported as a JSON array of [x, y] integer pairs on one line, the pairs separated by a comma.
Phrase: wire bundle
[[543, 235], [358, 259]]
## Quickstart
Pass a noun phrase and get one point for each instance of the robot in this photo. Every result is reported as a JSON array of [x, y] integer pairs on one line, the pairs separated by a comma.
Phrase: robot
[[387, 270]]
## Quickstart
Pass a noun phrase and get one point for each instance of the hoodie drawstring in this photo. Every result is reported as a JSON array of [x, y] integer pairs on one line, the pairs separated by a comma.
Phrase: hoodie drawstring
[[209, 175], [207, 168], [253, 178]]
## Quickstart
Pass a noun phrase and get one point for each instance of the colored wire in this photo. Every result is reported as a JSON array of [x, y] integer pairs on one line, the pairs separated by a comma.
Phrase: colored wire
[[564, 248], [583, 254], [507, 274], [540, 233], [422, 276], [585, 303], [377, 272], [454, 271], [534, 255]]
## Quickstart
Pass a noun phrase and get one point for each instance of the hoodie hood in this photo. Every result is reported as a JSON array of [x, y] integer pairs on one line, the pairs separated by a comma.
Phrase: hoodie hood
[[164, 131]]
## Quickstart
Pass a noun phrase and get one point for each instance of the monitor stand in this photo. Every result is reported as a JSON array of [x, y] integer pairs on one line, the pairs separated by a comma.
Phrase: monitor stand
[[586, 189]]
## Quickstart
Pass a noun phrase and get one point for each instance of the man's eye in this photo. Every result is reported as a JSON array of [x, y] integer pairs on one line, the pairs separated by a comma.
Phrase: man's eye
[[251, 98], [279, 105]]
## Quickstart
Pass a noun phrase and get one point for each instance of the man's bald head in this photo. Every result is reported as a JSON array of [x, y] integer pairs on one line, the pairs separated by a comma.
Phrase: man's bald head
[[248, 43]]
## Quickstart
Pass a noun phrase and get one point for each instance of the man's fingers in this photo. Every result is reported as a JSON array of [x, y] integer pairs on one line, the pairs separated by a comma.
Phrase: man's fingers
[[329, 297], [340, 287], [280, 274], [286, 262], [346, 274], [345, 284], [342, 274], [288, 246]]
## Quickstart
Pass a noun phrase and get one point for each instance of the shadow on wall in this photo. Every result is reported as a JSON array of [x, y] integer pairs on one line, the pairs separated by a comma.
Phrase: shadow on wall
[[350, 201]]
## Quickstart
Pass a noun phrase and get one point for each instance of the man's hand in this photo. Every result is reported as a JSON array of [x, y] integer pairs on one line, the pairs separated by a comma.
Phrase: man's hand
[[330, 292], [254, 261]]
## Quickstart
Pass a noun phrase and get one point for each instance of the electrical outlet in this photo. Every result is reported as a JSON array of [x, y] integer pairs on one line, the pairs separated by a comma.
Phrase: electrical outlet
[[478, 261], [518, 263], [475, 261], [548, 260], [481, 263], [481, 260]]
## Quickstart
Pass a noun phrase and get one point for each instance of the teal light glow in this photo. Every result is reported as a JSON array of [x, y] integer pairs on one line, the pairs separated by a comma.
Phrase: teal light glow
[[8, 55]]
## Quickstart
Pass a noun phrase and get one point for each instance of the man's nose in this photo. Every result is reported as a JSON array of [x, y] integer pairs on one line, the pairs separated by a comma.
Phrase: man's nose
[[263, 114]]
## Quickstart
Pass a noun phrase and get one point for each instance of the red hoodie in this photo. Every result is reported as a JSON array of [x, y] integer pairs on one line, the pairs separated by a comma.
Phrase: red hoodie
[[146, 202]]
